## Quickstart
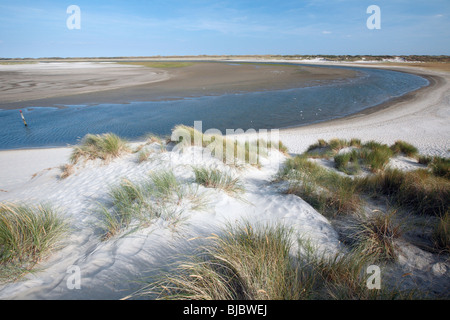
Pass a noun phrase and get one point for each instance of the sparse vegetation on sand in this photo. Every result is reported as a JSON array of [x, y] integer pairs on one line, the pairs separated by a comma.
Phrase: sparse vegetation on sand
[[105, 147], [327, 191], [374, 235], [136, 205], [66, 170], [402, 147], [28, 234], [372, 155], [213, 178], [230, 151], [420, 191], [248, 262], [441, 234]]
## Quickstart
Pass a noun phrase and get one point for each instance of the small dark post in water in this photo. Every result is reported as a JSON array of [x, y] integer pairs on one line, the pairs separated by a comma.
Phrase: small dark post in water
[[23, 118]]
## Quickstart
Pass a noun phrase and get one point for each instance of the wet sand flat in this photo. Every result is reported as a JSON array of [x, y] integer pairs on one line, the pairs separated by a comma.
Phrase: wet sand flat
[[59, 84]]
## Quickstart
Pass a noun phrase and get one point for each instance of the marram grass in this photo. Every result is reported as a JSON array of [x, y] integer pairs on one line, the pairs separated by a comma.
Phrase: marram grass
[[230, 151], [213, 178], [372, 155], [28, 234], [327, 191], [258, 262], [139, 204], [105, 147]]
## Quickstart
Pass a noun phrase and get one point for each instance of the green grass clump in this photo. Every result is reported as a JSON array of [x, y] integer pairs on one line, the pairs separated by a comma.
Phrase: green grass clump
[[27, 235], [374, 236], [375, 155], [143, 155], [105, 147], [258, 262], [165, 184], [245, 263], [127, 198], [137, 205], [213, 178], [441, 167], [424, 159], [327, 191], [321, 143], [132, 204], [230, 151], [441, 234], [348, 162], [419, 191], [402, 147], [338, 144]]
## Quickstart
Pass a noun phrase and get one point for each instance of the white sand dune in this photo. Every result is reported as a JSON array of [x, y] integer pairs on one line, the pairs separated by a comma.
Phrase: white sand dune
[[110, 268]]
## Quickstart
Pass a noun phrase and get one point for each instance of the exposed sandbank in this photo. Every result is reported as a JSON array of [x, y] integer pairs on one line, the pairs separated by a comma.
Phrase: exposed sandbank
[[59, 84]]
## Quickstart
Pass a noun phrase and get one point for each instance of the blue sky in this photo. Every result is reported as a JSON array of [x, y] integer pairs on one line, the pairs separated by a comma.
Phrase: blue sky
[[171, 27]]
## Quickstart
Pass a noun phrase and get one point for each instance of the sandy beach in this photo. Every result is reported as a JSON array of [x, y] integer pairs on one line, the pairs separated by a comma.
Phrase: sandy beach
[[111, 268], [420, 118]]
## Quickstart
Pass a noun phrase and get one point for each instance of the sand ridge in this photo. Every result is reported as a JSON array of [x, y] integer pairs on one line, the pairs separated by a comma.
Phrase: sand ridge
[[111, 268]]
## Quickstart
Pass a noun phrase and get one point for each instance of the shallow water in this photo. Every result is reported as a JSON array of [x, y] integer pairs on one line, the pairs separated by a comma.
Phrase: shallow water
[[49, 127]]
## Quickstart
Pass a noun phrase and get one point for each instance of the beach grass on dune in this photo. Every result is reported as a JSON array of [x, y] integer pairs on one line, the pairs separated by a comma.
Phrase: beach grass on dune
[[441, 233], [440, 166], [138, 204], [66, 170], [371, 155], [402, 147], [348, 162], [165, 184], [143, 155], [213, 178], [131, 203], [374, 235], [246, 263], [104, 146], [257, 262], [375, 155], [327, 191], [28, 234], [230, 151], [419, 191]]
